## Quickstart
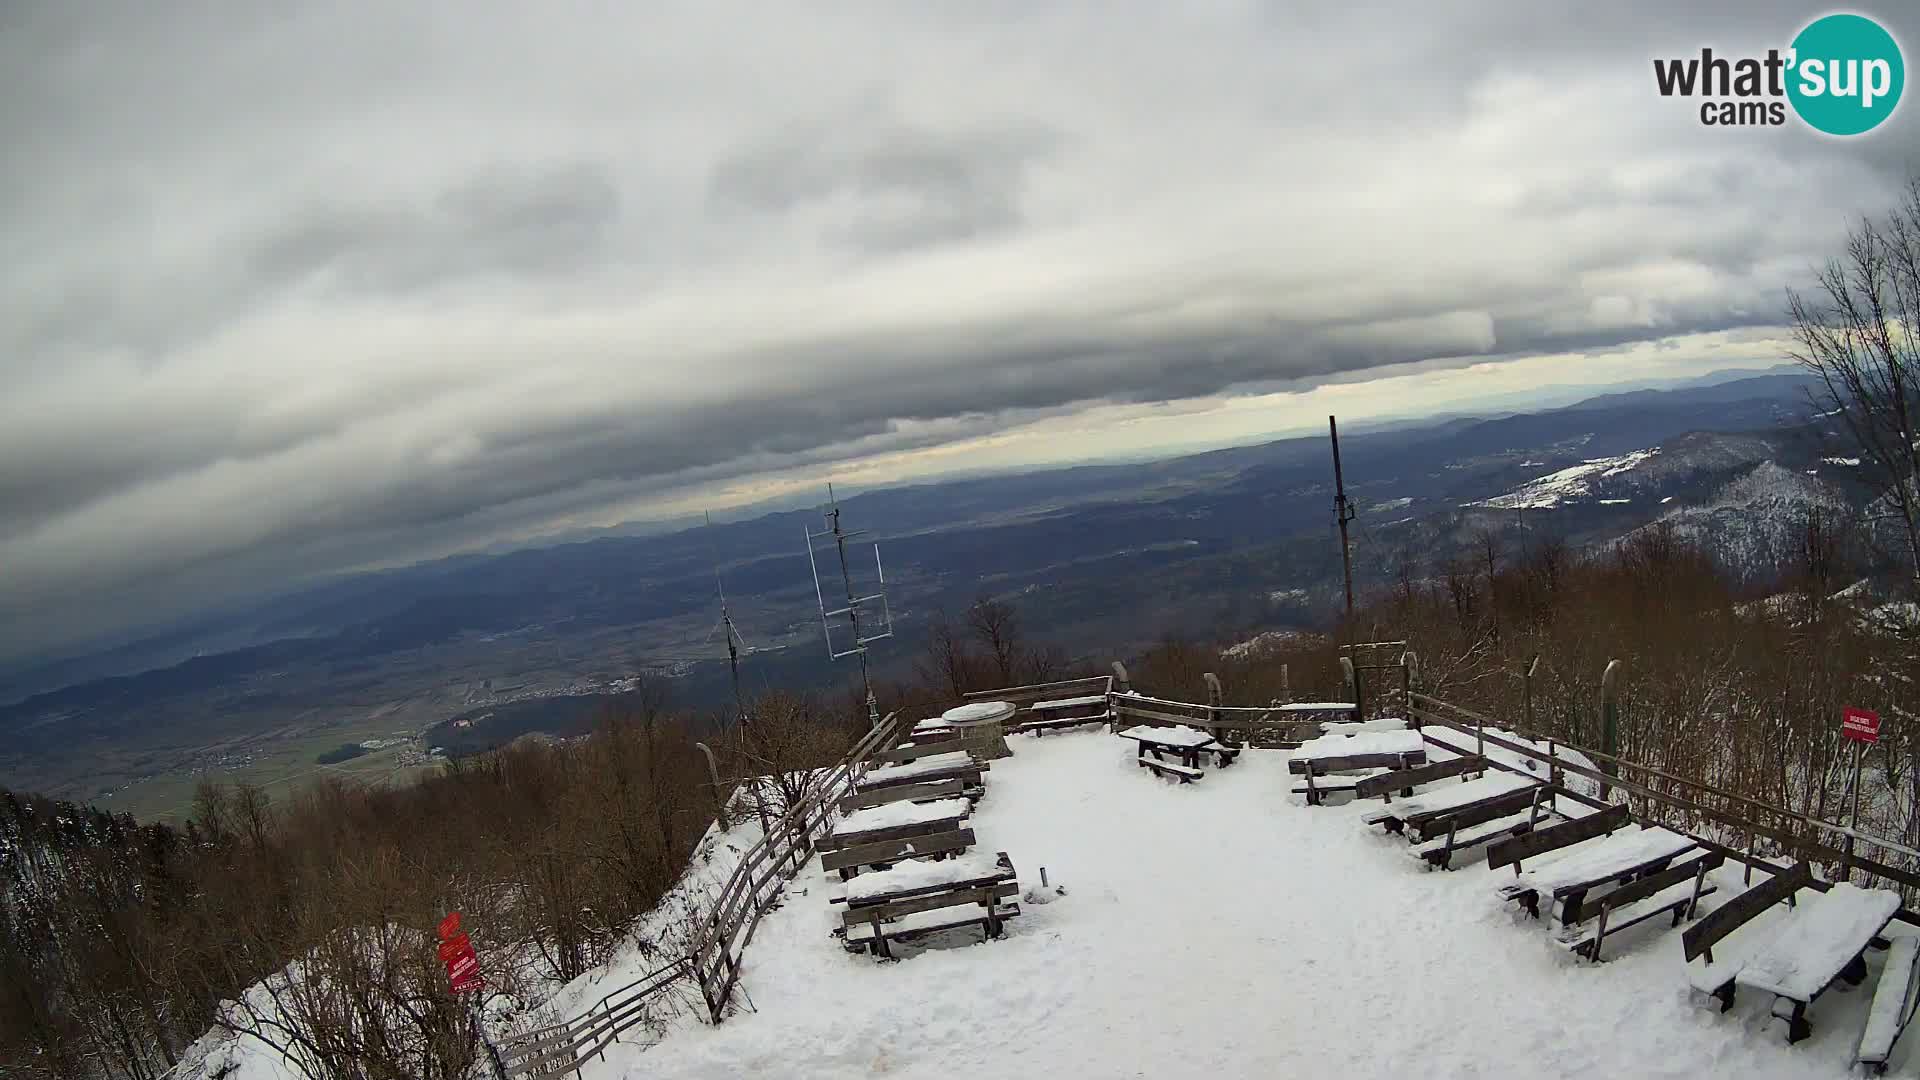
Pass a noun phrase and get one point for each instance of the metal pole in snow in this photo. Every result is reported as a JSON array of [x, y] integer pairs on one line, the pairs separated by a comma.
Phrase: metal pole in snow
[[1853, 822]]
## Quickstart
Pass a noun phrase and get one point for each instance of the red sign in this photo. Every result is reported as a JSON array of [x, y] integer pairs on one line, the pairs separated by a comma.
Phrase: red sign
[[450, 925], [1860, 725], [454, 946], [462, 966]]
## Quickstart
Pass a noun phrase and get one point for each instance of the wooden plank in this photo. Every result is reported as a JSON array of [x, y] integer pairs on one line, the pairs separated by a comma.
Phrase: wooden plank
[[1436, 822], [1351, 762], [1540, 841], [1375, 786], [1641, 888], [968, 774], [865, 931], [895, 850], [1168, 768], [892, 832], [877, 912], [1731, 915], [880, 796], [1893, 1004]]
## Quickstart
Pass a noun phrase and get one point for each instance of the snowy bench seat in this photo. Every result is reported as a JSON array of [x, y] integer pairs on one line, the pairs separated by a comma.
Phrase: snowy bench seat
[[873, 926], [914, 877], [1439, 851], [896, 821], [1674, 891], [849, 860], [1383, 786], [1617, 857], [1894, 1000], [928, 792], [1434, 813], [1183, 773], [951, 765], [1825, 939]]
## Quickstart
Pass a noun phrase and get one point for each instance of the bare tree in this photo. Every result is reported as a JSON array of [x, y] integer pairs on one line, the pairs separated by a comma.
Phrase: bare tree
[[996, 626], [1855, 333]]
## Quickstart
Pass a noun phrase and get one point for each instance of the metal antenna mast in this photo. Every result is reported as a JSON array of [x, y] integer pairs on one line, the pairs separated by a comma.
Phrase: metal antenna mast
[[1343, 509], [734, 640], [855, 602]]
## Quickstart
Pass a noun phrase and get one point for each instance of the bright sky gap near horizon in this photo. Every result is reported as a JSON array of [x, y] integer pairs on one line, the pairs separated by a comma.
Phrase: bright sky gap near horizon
[[298, 290]]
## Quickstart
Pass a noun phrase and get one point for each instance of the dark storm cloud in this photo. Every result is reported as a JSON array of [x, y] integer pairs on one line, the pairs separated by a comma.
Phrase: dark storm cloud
[[351, 284]]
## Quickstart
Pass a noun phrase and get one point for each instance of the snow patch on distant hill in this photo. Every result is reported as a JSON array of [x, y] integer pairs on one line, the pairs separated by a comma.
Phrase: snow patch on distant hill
[[1752, 526], [1266, 643], [1568, 484]]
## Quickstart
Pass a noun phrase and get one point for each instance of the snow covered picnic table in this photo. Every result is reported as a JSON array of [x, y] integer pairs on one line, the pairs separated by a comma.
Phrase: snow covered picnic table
[[1187, 742], [1501, 791], [1824, 938], [898, 820], [1617, 856]]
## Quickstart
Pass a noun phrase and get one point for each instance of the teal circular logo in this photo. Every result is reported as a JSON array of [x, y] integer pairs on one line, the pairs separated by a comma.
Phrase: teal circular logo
[[1846, 74]]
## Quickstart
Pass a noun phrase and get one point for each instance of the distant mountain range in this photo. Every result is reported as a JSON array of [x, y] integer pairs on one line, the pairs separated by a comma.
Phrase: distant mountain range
[[1102, 557]]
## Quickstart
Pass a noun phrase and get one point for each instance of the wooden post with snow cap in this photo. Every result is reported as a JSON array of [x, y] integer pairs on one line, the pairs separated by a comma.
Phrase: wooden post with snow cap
[[1215, 698], [1410, 684], [1610, 724], [1352, 679], [1120, 681], [713, 772]]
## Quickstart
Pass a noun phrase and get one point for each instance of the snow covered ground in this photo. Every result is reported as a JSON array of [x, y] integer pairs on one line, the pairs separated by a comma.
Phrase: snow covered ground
[[1222, 929]]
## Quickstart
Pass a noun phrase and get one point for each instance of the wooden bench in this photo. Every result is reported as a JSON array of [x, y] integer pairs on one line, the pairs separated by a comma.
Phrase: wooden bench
[[849, 860], [958, 765], [1044, 716], [1475, 825], [1514, 851], [1716, 980], [895, 821], [1662, 893], [1384, 785], [1429, 824], [901, 755], [1617, 858], [1821, 942], [1497, 788], [941, 789], [1320, 784], [873, 926], [919, 876], [1894, 1001], [1182, 773]]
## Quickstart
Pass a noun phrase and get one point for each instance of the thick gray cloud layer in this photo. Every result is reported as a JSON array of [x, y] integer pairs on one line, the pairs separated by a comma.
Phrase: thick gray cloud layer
[[286, 288]]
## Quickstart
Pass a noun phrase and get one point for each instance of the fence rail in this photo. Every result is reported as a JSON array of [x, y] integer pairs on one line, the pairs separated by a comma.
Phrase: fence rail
[[1731, 823], [713, 961]]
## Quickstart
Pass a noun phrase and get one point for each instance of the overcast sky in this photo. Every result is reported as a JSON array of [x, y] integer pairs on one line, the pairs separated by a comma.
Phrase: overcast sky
[[290, 288]]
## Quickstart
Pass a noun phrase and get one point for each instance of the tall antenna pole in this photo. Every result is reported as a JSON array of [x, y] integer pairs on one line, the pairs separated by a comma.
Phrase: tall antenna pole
[[1343, 509], [854, 600], [733, 649]]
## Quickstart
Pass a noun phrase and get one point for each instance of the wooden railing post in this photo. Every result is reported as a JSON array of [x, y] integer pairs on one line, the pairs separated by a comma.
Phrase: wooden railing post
[[1351, 676], [1286, 685], [1120, 680], [1609, 723]]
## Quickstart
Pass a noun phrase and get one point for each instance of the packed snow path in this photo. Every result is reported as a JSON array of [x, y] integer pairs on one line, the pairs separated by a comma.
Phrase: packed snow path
[[1223, 929]]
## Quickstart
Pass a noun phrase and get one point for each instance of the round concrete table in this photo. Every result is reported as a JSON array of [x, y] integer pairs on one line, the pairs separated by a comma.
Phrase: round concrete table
[[979, 727]]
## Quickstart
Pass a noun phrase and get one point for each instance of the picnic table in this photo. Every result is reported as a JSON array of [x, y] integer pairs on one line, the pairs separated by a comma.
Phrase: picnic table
[[895, 821], [1188, 743], [1502, 791], [1824, 939], [1616, 857]]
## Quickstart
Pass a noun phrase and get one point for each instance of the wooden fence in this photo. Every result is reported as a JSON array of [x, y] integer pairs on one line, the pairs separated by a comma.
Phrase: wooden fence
[[713, 961], [1023, 697], [1742, 828], [1280, 727]]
